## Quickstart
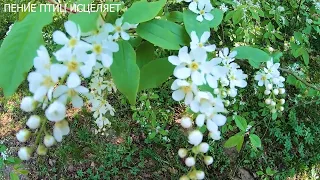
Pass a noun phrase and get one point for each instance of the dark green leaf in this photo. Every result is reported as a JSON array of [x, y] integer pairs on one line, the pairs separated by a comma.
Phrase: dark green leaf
[[145, 54], [175, 16], [155, 73]]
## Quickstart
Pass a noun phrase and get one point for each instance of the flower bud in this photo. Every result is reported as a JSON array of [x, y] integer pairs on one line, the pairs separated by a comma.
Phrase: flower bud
[[208, 160], [267, 92], [56, 112], [281, 108], [28, 104], [273, 111], [190, 161], [42, 150], [23, 135], [275, 91], [273, 103], [282, 91], [184, 177], [282, 101], [200, 174], [33, 122], [227, 103], [186, 122], [49, 141], [195, 137], [269, 86], [216, 91], [24, 153], [204, 147], [182, 152], [268, 101]]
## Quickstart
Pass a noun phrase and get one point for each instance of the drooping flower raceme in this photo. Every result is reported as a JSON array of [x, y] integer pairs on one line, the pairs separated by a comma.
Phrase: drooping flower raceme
[[269, 78], [194, 71], [55, 85]]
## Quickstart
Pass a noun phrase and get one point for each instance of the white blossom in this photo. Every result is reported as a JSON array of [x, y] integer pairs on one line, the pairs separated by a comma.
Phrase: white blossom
[[23, 135], [33, 122], [24, 153], [190, 161], [56, 111], [195, 137]]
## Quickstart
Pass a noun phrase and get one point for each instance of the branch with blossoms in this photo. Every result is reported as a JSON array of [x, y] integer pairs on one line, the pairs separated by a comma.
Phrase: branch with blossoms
[[55, 85]]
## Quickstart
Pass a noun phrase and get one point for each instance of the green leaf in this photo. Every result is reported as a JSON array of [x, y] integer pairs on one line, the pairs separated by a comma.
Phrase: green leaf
[[240, 142], [125, 72], [112, 16], [19, 48], [145, 53], [276, 56], [241, 123], [217, 18], [13, 176], [255, 140], [175, 16], [178, 31], [191, 23], [157, 32], [155, 73], [305, 57], [233, 141], [237, 15], [143, 11], [254, 55], [86, 20]]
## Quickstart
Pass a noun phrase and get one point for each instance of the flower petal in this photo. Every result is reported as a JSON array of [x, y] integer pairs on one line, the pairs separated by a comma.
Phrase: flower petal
[[73, 80]]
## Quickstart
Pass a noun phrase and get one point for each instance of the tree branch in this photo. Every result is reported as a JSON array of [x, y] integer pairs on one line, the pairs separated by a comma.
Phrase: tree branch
[[300, 79]]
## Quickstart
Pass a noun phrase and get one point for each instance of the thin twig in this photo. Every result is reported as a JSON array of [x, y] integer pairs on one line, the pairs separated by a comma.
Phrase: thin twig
[[300, 79]]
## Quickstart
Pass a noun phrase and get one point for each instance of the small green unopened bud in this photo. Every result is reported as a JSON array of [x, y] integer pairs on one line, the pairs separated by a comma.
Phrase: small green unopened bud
[[42, 150], [208, 160], [184, 177], [182, 152], [23, 135]]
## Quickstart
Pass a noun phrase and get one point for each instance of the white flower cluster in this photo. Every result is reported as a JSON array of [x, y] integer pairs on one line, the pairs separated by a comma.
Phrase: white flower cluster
[[200, 7], [193, 72], [270, 78], [55, 85], [100, 88]]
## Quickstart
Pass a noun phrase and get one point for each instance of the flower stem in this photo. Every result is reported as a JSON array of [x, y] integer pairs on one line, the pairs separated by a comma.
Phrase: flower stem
[[300, 79]]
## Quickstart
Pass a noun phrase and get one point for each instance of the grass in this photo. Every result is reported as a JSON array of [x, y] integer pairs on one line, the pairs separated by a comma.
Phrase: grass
[[127, 152]]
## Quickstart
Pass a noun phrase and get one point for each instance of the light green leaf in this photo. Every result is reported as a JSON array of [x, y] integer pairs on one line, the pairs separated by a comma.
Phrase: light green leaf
[[125, 72], [87, 21], [240, 142], [217, 18], [254, 55], [191, 23], [143, 11], [19, 48], [233, 141], [255, 140], [241, 122], [155, 73], [145, 53], [178, 31], [237, 15], [305, 57], [157, 32]]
